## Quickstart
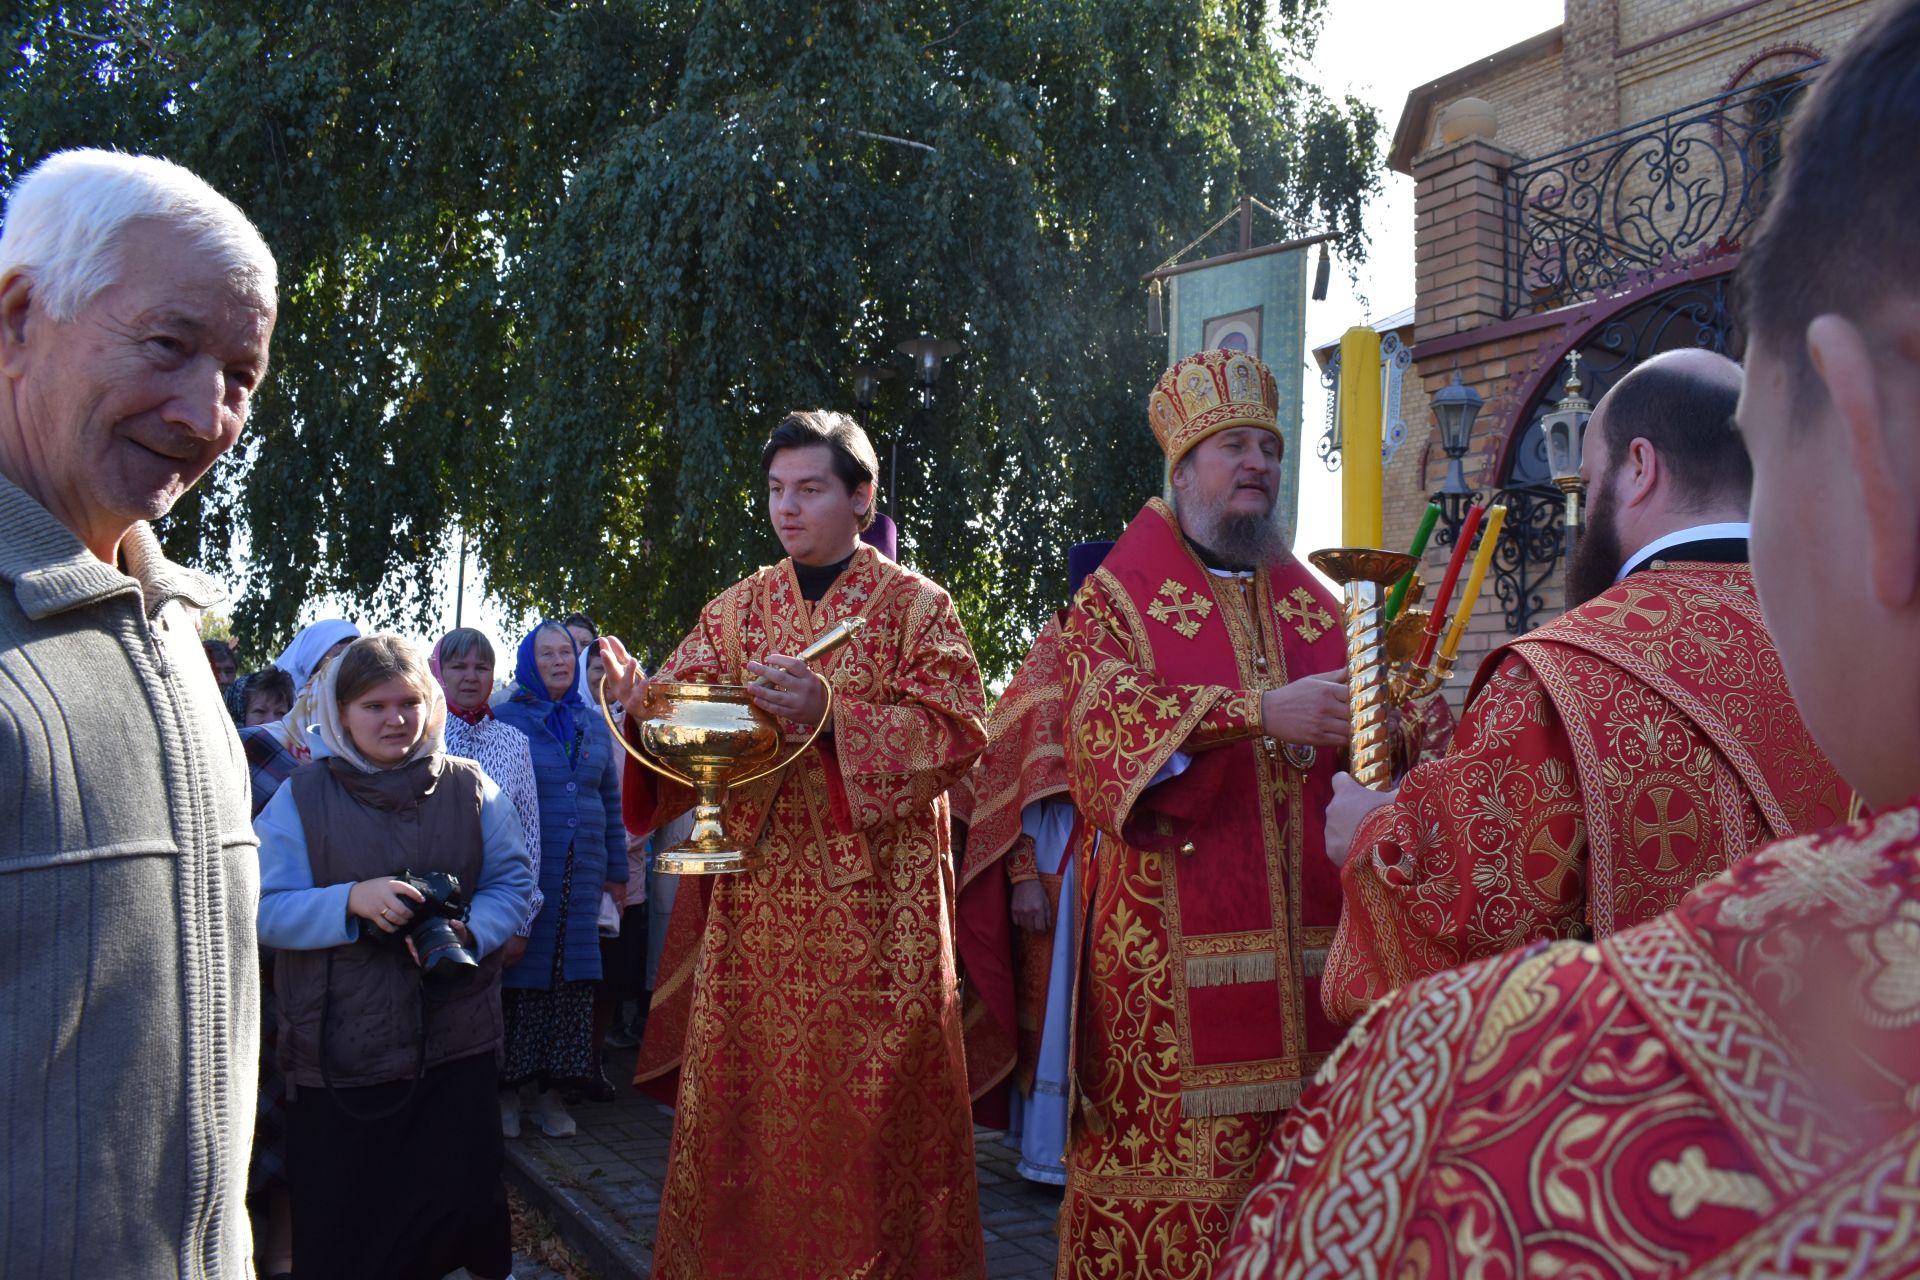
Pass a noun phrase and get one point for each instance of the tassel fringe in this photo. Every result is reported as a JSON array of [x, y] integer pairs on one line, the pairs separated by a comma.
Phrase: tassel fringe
[[1222, 971], [1240, 1099]]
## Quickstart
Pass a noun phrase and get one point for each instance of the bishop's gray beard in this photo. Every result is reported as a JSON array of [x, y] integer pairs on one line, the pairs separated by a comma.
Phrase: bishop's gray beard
[[1242, 541]]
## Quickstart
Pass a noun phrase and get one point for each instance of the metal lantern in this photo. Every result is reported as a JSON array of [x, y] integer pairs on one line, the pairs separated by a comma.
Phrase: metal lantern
[[1566, 432], [866, 384], [926, 352], [1456, 406]]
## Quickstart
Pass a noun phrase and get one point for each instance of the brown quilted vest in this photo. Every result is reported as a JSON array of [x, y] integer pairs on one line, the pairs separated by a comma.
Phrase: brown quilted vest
[[420, 818]]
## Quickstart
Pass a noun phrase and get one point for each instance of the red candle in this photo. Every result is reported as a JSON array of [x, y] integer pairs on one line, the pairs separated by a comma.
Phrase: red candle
[[1437, 621]]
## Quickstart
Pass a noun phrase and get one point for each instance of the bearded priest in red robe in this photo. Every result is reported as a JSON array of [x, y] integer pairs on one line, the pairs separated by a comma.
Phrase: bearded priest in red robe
[[1732, 1089], [822, 1125], [1017, 903], [1618, 756], [1206, 704]]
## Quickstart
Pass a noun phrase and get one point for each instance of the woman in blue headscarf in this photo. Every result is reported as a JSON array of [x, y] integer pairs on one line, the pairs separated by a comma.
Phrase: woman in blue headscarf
[[548, 996]]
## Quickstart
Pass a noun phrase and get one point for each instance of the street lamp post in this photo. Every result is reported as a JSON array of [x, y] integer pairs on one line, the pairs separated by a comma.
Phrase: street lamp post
[[926, 352]]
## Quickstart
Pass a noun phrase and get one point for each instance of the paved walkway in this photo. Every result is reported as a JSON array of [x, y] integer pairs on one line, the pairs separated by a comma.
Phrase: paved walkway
[[602, 1187]]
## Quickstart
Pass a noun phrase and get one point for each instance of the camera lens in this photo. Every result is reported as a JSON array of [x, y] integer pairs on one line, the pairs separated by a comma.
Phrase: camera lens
[[442, 955]]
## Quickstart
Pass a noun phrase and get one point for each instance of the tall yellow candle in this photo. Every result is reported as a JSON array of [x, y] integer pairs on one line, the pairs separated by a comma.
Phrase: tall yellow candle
[[1489, 542], [1359, 409]]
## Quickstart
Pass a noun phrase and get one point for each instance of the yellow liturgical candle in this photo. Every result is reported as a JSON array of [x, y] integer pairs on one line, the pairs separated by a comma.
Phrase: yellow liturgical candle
[[1489, 542], [1359, 409]]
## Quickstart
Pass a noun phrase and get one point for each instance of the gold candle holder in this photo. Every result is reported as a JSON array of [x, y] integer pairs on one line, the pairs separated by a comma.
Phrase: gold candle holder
[[1365, 574]]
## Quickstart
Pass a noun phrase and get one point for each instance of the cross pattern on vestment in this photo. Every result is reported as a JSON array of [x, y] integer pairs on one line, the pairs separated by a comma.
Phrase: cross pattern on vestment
[[1305, 613], [1622, 613], [1180, 609], [1566, 861], [1664, 827]]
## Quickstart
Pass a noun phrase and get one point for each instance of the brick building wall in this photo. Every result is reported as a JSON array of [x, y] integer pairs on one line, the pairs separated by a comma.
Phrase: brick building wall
[[1611, 64]]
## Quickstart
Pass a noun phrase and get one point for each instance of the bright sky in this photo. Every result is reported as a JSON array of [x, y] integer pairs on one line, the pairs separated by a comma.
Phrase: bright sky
[[1379, 51]]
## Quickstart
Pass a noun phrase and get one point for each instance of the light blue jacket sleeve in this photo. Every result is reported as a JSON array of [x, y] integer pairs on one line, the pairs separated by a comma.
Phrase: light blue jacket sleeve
[[295, 916], [499, 903]]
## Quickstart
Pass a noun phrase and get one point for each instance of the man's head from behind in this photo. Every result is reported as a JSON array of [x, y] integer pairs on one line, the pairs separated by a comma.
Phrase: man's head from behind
[[136, 304], [1661, 454], [1831, 408]]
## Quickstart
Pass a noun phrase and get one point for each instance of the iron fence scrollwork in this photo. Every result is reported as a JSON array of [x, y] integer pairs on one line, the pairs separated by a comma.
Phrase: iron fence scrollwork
[[1681, 187]]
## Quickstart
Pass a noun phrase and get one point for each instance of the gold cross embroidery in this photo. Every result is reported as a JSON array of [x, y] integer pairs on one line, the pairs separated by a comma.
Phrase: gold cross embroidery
[[1307, 617], [1566, 862], [1664, 828], [1181, 609], [1619, 613]]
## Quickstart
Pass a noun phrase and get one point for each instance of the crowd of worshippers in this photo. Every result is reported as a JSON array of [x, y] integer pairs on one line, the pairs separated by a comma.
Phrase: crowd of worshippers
[[1618, 978], [553, 909]]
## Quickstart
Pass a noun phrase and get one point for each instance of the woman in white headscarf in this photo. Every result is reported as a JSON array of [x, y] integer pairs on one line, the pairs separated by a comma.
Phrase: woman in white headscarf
[[313, 646], [389, 1023]]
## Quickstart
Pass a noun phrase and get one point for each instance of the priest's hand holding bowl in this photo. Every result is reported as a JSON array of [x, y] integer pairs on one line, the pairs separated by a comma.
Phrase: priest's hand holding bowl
[[788, 688]]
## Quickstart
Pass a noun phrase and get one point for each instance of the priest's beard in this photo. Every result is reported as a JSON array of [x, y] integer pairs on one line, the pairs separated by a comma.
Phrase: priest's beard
[[1242, 541], [1597, 556]]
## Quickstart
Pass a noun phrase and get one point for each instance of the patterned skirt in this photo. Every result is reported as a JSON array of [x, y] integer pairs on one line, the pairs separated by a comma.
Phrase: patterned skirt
[[549, 1034]]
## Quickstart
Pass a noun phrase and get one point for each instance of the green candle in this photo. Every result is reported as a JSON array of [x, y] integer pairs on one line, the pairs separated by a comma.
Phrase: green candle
[[1418, 549]]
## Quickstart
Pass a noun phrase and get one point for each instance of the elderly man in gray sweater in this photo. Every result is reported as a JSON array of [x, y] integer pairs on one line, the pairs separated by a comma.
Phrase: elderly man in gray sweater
[[136, 305]]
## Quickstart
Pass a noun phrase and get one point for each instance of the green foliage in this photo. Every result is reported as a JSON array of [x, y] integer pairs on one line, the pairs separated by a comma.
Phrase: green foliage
[[553, 270]]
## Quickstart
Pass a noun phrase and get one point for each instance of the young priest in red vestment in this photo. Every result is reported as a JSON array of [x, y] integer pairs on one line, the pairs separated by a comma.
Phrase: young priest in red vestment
[[822, 1125], [1731, 1089], [1616, 757], [1206, 704]]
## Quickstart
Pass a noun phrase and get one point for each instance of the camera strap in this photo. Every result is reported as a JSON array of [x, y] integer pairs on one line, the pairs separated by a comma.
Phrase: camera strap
[[326, 1075]]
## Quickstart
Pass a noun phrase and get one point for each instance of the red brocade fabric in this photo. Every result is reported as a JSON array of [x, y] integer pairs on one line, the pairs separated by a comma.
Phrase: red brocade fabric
[[1730, 1089], [1005, 967], [1608, 763], [822, 1126], [1208, 905]]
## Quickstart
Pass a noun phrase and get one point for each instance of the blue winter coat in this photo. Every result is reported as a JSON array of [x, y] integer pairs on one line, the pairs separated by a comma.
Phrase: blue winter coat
[[579, 809]]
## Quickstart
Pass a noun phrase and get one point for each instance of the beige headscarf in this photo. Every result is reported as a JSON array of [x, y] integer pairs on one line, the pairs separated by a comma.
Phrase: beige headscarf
[[329, 736]]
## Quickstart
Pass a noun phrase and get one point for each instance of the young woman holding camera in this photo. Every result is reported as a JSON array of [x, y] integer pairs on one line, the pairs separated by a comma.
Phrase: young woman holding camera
[[378, 854]]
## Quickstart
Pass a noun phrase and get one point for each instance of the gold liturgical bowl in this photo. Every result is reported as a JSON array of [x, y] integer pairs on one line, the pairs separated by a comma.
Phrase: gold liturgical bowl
[[709, 736], [712, 737]]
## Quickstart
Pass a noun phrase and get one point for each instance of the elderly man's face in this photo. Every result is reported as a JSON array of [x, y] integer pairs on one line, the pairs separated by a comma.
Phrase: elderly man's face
[[126, 406]]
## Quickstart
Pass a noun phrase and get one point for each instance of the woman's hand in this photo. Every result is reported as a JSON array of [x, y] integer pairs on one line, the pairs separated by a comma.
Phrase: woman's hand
[[625, 682], [383, 902], [515, 948], [617, 890], [797, 694]]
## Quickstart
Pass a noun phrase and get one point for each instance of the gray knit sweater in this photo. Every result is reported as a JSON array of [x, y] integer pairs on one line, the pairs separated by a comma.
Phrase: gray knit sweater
[[129, 1004]]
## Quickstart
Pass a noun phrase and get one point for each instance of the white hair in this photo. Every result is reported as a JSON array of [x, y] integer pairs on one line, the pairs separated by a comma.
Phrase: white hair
[[63, 217]]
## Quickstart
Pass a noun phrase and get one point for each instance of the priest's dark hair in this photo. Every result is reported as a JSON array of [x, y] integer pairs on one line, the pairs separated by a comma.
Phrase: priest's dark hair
[[1682, 403], [1838, 236], [854, 461]]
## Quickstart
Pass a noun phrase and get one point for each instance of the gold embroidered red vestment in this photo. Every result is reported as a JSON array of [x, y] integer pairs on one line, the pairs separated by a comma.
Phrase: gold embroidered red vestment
[[1208, 905], [822, 1125], [1728, 1090], [1007, 969], [1608, 763]]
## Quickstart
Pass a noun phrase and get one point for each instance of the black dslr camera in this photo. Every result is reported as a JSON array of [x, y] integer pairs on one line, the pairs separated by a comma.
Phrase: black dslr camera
[[442, 954]]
